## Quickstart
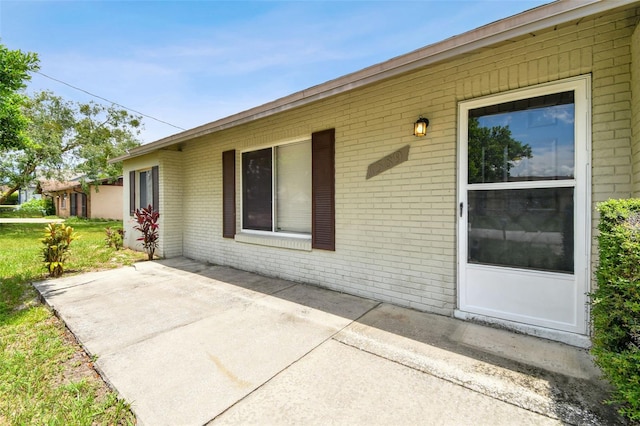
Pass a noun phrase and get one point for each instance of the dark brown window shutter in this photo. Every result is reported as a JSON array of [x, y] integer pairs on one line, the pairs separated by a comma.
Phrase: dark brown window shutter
[[73, 204], [323, 231], [84, 204], [229, 194], [132, 193], [155, 177]]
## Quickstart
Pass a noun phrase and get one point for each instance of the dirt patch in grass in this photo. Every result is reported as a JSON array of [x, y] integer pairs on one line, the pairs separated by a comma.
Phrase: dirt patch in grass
[[78, 366]]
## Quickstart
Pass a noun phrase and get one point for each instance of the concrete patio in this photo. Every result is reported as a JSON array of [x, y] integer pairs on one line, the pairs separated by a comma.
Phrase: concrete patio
[[188, 343]]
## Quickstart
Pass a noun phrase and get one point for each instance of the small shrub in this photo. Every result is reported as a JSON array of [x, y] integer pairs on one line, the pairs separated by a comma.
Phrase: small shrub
[[33, 208], [49, 207], [147, 220], [114, 238], [57, 239], [616, 303]]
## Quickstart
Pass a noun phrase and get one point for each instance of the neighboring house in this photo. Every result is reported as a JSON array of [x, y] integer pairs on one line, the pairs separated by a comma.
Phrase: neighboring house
[[491, 216], [28, 193], [70, 199]]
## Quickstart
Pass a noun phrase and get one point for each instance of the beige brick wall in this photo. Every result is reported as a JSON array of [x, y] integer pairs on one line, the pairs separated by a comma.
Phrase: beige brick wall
[[611, 109], [396, 233], [57, 199], [171, 202], [128, 222], [635, 108]]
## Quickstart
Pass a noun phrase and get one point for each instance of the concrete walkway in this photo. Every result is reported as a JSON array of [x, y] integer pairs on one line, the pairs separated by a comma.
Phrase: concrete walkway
[[29, 220], [188, 343]]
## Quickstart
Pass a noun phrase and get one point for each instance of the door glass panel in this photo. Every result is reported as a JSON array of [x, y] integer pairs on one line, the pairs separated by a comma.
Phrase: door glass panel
[[525, 140], [522, 228]]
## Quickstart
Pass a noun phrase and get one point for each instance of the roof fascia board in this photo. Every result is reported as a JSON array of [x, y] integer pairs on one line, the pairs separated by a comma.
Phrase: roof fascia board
[[527, 22]]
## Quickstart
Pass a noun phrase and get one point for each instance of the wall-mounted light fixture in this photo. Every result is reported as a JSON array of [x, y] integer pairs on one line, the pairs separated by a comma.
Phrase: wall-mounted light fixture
[[420, 127]]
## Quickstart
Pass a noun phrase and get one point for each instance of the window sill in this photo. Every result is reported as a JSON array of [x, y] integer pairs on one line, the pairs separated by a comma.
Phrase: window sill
[[303, 244]]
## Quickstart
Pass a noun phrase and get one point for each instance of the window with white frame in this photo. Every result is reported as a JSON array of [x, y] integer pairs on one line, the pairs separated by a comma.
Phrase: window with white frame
[[276, 189]]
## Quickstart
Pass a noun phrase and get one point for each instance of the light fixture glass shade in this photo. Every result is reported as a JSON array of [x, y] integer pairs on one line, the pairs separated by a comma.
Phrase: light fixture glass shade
[[420, 127]]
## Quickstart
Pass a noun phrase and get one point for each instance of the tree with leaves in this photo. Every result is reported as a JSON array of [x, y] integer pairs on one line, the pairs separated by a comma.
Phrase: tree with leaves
[[493, 152], [64, 138], [15, 67]]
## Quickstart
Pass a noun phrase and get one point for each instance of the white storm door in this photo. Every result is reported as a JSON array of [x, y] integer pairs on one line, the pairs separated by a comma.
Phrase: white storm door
[[524, 217]]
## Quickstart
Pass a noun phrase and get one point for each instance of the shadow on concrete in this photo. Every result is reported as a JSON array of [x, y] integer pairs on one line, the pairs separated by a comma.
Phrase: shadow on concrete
[[314, 297], [565, 376]]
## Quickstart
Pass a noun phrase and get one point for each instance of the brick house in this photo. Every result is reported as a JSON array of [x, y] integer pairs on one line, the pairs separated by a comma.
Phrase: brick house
[[70, 199], [490, 216]]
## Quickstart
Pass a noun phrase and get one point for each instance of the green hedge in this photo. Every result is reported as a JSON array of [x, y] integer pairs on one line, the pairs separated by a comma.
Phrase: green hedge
[[32, 208], [616, 303]]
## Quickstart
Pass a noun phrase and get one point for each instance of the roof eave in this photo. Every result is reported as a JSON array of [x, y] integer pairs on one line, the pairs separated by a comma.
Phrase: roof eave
[[530, 21]]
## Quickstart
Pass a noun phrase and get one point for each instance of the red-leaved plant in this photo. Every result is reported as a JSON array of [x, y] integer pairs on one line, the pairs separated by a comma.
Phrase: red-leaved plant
[[147, 220]]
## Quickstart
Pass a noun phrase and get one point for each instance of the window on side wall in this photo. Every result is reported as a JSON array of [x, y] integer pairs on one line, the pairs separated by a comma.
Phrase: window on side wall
[[145, 185], [143, 189], [276, 189]]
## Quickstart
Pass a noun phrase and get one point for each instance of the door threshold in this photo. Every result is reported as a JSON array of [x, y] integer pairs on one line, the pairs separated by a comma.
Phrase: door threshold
[[573, 339]]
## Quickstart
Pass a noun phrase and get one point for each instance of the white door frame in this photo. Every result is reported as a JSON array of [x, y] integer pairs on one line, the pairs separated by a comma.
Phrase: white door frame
[[575, 330]]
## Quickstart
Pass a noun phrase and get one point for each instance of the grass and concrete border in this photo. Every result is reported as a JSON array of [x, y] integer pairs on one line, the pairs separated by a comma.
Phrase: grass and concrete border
[[45, 375]]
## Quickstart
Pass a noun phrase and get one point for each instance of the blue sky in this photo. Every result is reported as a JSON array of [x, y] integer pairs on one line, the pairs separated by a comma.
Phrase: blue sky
[[192, 62]]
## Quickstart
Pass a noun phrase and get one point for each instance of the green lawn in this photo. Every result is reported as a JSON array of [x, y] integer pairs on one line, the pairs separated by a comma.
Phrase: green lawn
[[45, 377]]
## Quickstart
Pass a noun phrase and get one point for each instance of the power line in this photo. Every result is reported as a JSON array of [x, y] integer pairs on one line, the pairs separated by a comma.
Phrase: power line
[[107, 100]]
